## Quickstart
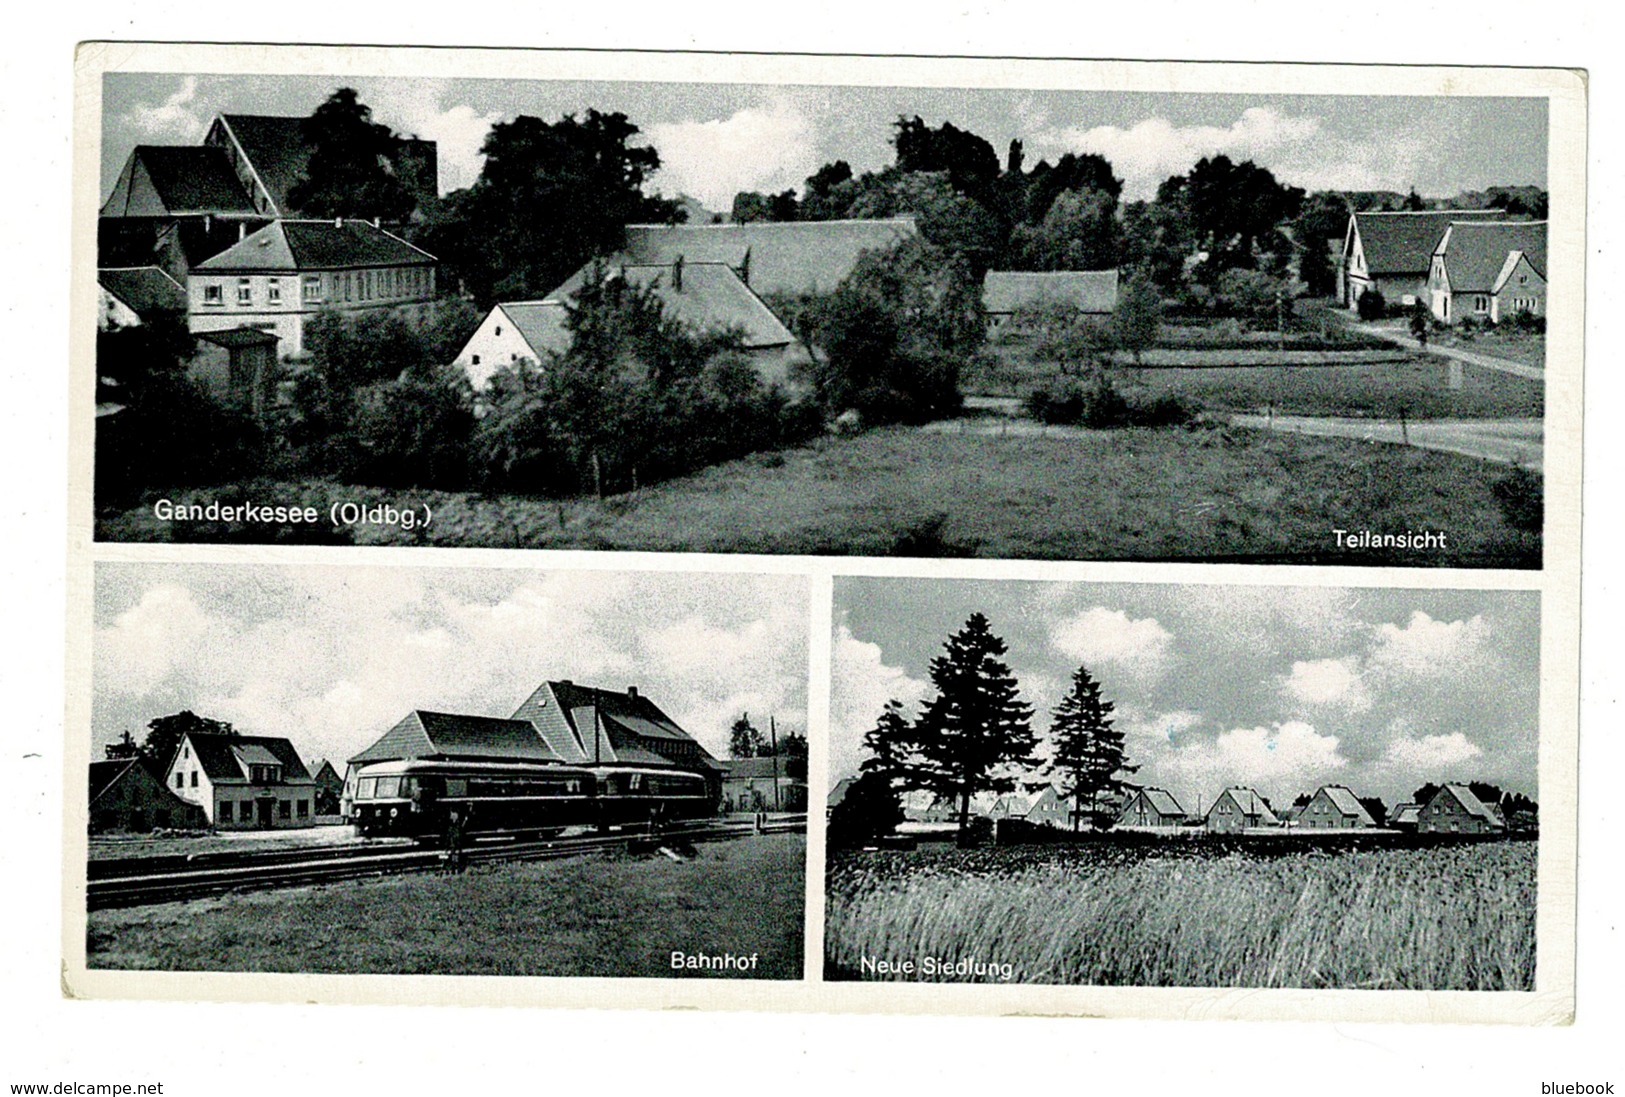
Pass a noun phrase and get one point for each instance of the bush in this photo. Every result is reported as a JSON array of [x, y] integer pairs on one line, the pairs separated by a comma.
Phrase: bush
[[1372, 305], [1527, 322], [1094, 401], [410, 432], [514, 446]]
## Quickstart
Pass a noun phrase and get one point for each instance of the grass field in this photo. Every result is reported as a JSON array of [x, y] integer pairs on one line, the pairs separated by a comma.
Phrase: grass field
[[1445, 918], [1166, 494], [588, 916]]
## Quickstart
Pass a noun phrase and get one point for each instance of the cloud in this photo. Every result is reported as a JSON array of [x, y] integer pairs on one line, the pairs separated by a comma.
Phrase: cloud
[[767, 150], [1430, 754], [144, 644], [417, 107], [1427, 648], [1278, 760], [1331, 682], [177, 118], [1136, 646], [861, 683]]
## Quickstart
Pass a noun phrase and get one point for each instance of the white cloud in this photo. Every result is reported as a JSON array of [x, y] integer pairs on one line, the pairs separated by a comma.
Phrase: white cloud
[[1427, 756], [1145, 730], [767, 150], [176, 119], [1277, 760], [1428, 648], [417, 107], [1136, 646], [861, 683], [1331, 682], [145, 643]]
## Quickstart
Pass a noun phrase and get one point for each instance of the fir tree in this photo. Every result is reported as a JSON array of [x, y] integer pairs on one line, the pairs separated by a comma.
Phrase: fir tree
[[1088, 750]]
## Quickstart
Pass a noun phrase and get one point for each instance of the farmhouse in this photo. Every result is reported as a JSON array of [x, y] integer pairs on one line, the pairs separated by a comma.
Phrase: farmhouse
[[243, 781], [1151, 807], [1007, 294], [703, 296], [124, 795], [1489, 271], [1393, 252], [761, 784], [1239, 808], [1455, 810], [771, 257], [1334, 807], [277, 278]]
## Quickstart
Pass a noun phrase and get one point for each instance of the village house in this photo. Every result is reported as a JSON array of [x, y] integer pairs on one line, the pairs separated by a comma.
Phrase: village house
[[1008, 296], [1045, 808], [838, 794], [1405, 817], [329, 786], [1239, 808], [243, 781], [1151, 808], [1393, 253], [1489, 271], [761, 784], [1454, 809], [129, 296], [703, 296], [277, 278], [1334, 807], [124, 795]]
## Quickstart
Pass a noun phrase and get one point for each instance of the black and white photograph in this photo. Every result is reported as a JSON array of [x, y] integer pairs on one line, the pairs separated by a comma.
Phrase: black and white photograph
[[1019, 322], [390, 770], [1155, 785]]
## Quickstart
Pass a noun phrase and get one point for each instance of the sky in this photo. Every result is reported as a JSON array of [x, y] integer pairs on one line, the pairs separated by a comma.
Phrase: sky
[[1283, 689], [715, 140], [332, 657]]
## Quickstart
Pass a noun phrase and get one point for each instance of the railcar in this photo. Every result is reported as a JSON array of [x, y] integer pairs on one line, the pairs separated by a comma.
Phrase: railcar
[[417, 799]]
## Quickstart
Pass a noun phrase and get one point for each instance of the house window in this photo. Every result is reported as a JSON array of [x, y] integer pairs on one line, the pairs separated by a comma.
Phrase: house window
[[304, 809], [273, 292], [194, 778], [499, 331], [310, 289], [180, 780], [214, 295], [284, 809], [225, 811], [1481, 303], [475, 360], [245, 291]]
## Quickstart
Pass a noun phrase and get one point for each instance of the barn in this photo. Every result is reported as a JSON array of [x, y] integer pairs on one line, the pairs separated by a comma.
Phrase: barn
[[1007, 294], [124, 795]]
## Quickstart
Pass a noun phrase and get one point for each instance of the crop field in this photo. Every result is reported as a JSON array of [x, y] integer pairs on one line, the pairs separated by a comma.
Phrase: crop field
[[1196, 914], [610, 915]]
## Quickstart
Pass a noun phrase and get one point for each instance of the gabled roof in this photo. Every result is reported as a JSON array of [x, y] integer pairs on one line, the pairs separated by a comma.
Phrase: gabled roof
[[1161, 800], [184, 179], [1478, 256], [275, 148], [1403, 243], [422, 734], [712, 298], [1344, 800], [783, 256], [225, 757], [582, 724], [1250, 803], [239, 337], [143, 290], [1469, 803], [104, 774], [541, 324], [317, 245], [838, 793], [1088, 290], [1405, 814]]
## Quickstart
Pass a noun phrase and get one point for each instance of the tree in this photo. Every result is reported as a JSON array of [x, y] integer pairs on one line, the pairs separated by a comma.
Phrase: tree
[[1427, 792], [975, 728], [1371, 305], [793, 749], [164, 735], [744, 741], [969, 160], [126, 747], [1414, 203], [1071, 172], [1235, 209], [870, 810], [1375, 808], [1158, 237], [347, 174], [1079, 232], [752, 206], [887, 742], [1137, 319], [1088, 751], [1323, 218]]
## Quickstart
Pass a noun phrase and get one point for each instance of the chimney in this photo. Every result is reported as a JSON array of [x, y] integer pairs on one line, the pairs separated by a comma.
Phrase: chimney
[[744, 268], [338, 222], [677, 274], [632, 692]]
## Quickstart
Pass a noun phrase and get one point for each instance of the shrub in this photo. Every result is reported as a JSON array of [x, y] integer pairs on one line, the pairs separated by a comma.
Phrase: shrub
[[1093, 400], [1527, 322], [870, 810], [1371, 305], [412, 431]]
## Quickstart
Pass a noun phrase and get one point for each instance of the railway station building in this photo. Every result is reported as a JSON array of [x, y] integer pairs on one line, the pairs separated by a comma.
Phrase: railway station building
[[243, 782]]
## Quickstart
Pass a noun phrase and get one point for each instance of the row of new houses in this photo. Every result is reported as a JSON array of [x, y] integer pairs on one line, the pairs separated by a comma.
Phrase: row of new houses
[[1454, 809], [247, 782], [1461, 264]]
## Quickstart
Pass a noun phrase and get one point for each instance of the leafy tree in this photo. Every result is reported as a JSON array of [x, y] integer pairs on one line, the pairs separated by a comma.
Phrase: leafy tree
[[1158, 237], [793, 749], [514, 445], [969, 160], [870, 810], [1371, 305], [1235, 209], [1088, 751], [126, 747], [1414, 203], [164, 735], [1427, 792], [1071, 172], [751, 206], [1375, 808], [1324, 217], [1079, 232], [1137, 319], [975, 728], [744, 741], [348, 174], [1302, 799], [411, 431], [1486, 792]]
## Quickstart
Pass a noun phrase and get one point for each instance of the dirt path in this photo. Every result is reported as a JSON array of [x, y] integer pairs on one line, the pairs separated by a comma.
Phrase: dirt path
[[1471, 358], [1504, 441]]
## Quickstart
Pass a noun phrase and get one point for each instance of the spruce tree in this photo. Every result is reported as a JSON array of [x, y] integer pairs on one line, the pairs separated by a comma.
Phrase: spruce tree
[[1088, 750], [976, 728]]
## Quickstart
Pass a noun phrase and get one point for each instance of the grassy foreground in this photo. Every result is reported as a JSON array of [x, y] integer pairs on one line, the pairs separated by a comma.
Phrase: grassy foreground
[[588, 916], [1163, 494], [1448, 918]]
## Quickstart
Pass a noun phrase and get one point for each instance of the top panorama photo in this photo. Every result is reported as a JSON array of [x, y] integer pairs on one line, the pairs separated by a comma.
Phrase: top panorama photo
[[821, 320]]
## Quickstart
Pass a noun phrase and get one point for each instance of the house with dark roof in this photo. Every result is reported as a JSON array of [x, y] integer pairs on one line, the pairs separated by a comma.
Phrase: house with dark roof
[[704, 297], [1489, 271], [761, 784], [124, 795], [1239, 808], [329, 786], [838, 794], [277, 278], [1151, 807], [243, 781], [128, 296], [1454, 809], [1334, 807], [1393, 252], [1008, 294]]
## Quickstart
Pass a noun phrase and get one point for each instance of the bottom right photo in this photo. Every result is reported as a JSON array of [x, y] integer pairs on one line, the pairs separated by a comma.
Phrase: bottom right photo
[[1183, 785]]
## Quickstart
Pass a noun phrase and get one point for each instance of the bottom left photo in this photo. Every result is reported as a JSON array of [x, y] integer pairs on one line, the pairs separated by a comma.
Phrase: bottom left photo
[[427, 771]]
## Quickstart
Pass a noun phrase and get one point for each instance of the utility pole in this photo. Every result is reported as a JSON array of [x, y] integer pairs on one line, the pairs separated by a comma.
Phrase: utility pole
[[773, 734]]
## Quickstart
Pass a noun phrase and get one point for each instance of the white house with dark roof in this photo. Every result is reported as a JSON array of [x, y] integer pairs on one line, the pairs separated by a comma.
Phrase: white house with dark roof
[[243, 781], [1393, 252], [1454, 809], [1151, 808], [277, 278], [1239, 808], [1489, 271], [1008, 293], [703, 296], [1334, 807]]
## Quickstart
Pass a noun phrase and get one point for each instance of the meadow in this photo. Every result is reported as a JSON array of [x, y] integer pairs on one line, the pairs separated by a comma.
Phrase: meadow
[[609, 915], [1196, 914]]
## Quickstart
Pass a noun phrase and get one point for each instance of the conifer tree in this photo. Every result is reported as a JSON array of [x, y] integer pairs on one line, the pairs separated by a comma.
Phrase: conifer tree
[[1088, 750]]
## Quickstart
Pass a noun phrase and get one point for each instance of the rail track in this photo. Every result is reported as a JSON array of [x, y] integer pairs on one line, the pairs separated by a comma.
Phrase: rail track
[[140, 881]]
